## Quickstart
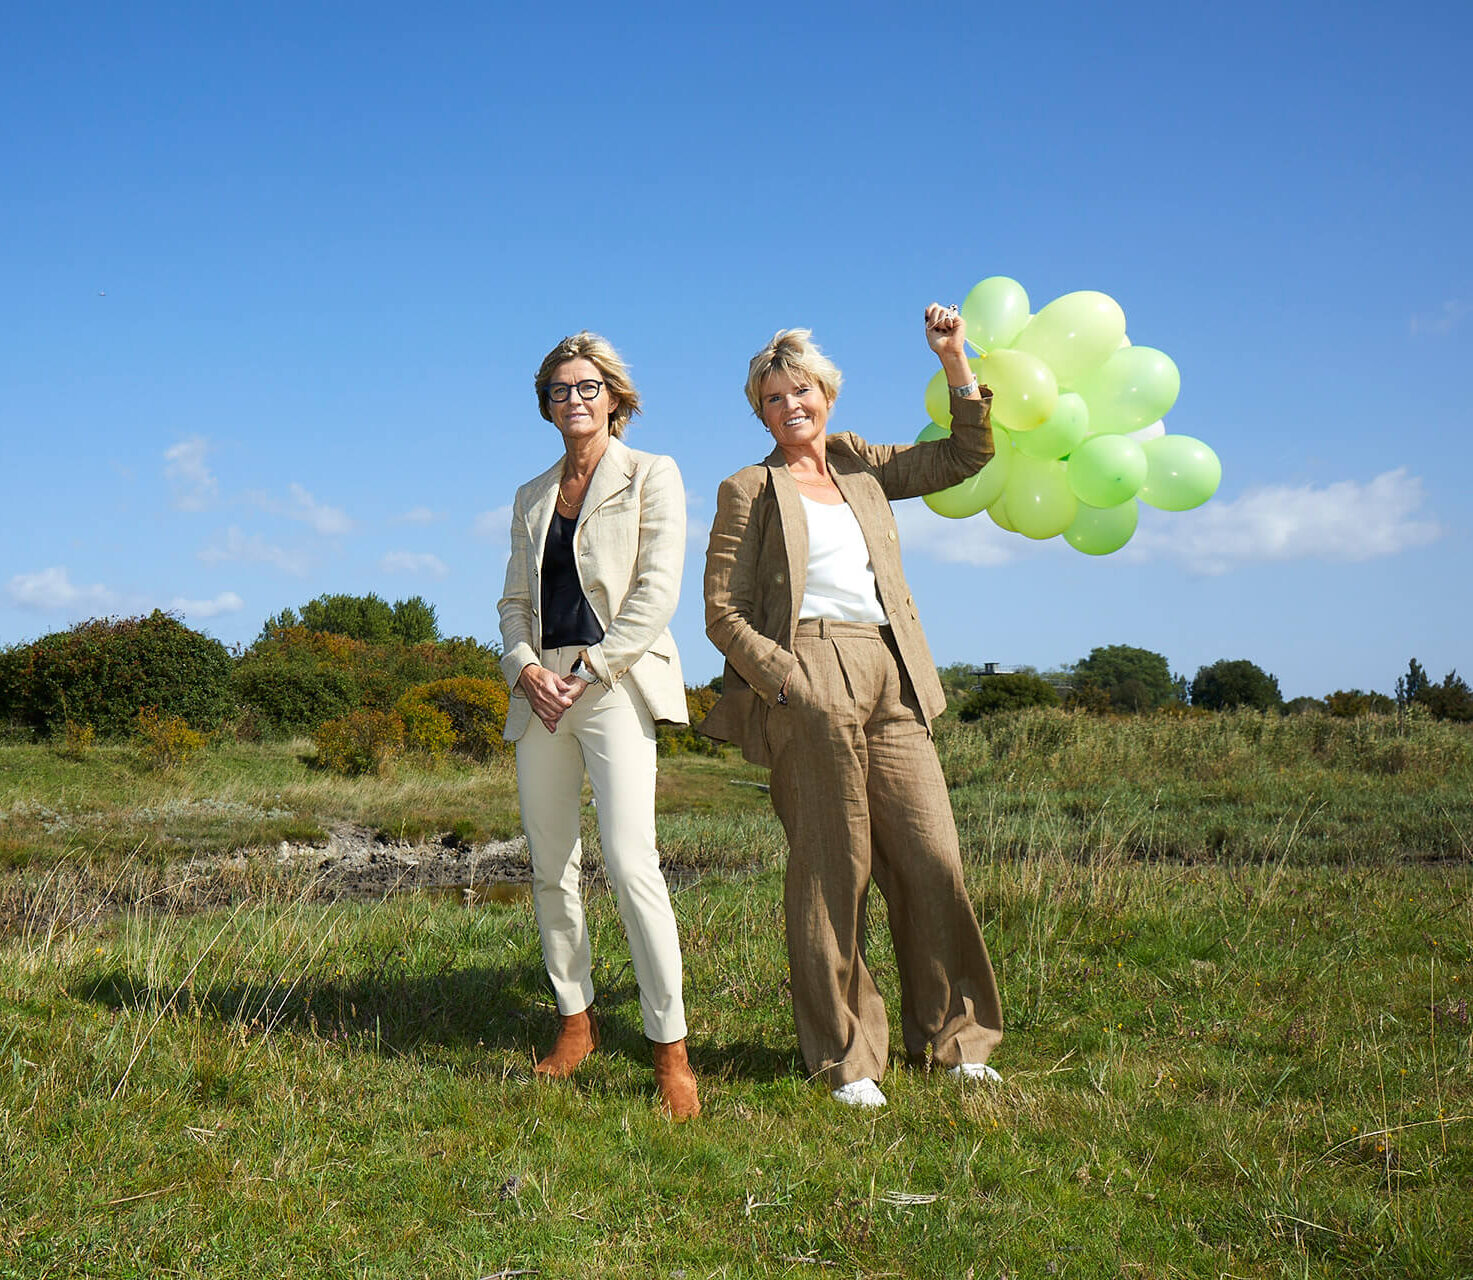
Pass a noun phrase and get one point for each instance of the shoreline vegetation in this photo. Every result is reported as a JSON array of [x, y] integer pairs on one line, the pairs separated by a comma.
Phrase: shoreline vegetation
[[1235, 953]]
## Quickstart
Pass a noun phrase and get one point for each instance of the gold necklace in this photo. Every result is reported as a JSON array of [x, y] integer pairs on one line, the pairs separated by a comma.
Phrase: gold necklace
[[826, 483]]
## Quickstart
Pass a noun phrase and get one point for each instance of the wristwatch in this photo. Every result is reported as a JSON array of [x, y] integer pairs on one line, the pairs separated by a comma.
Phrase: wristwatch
[[584, 672]]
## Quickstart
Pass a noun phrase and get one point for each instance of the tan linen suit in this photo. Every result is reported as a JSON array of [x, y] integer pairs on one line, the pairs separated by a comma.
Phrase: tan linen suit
[[629, 550], [855, 778]]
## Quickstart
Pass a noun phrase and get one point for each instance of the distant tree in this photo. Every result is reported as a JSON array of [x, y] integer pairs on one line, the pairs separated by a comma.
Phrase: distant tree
[[1450, 700], [415, 621], [1349, 704], [1235, 682], [368, 618], [1304, 706], [1116, 666], [1411, 684], [1009, 691]]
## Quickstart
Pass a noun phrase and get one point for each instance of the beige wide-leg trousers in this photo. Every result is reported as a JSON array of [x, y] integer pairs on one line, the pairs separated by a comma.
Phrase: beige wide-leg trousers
[[859, 789], [610, 735]]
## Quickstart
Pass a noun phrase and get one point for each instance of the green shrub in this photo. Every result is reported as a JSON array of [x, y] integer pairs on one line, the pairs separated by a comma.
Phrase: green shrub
[[476, 709], [77, 741], [101, 672], [675, 739], [1007, 692], [294, 678], [359, 742], [167, 740], [427, 729]]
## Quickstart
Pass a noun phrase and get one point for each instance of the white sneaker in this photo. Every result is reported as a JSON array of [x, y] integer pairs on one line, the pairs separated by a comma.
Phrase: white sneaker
[[863, 1092], [976, 1071]]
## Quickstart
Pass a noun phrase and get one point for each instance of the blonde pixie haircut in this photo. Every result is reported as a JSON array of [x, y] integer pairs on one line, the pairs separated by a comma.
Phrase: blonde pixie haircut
[[600, 353], [793, 352]]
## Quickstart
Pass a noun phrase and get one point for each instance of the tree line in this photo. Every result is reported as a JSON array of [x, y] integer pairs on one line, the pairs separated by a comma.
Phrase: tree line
[[1126, 680]]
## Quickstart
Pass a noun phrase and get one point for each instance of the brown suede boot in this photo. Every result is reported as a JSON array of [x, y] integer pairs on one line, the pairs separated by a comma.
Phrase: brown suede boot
[[676, 1081], [576, 1039]]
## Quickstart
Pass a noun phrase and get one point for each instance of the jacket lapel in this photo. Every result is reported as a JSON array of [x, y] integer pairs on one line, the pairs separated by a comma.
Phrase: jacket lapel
[[539, 512], [795, 531], [612, 475]]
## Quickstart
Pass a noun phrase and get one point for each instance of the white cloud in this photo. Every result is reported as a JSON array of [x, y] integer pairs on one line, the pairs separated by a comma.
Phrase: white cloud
[[255, 549], [973, 541], [52, 589], [493, 524], [1344, 521], [329, 521], [326, 520], [421, 562], [418, 515], [1441, 319], [225, 602], [194, 485]]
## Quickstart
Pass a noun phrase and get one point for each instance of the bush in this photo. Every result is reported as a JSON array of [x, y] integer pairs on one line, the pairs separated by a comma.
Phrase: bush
[[427, 729], [1011, 691], [359, 742], [167, 740], [475, 708], [294, 678], [675, 739], [1350, 704], [102, 672]]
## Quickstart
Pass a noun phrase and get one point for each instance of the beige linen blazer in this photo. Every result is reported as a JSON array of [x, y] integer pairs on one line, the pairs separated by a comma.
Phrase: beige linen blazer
[[757, 564], [629, 548]]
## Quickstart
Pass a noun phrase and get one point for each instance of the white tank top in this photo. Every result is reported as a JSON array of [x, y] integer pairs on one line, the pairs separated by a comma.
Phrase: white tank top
[[841, 580]]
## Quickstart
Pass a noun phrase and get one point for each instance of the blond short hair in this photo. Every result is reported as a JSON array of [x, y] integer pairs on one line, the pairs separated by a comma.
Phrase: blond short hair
[[793, 352], [600, 353]]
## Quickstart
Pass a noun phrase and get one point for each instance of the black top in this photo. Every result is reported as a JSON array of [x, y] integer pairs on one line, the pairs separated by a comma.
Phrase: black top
[[567, 619]]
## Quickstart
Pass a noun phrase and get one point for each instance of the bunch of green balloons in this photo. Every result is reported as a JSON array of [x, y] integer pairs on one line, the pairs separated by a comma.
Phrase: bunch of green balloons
[[1076, 418]]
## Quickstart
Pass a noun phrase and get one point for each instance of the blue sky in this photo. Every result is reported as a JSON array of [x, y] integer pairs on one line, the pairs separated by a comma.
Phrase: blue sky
[[277, 277]]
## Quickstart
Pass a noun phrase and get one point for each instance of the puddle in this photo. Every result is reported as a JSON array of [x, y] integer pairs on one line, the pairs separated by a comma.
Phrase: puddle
[[493, 893]]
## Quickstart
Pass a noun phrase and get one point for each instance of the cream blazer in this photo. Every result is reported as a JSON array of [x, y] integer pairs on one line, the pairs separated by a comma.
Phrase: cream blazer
[[757, 564], [629, 549]]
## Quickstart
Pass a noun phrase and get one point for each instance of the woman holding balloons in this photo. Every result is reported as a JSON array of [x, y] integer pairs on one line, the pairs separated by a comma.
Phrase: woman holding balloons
[[829, 681]]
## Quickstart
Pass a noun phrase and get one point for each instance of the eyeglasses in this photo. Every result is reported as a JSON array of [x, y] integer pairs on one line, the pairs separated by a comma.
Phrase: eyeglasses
[[557, 392]]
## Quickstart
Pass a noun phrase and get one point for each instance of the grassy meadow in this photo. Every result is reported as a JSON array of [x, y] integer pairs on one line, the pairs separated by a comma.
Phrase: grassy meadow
[[1234, 954]]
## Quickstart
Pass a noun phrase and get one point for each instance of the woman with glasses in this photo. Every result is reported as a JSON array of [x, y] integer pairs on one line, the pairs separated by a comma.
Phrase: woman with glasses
[[830, 683], [597, 547]]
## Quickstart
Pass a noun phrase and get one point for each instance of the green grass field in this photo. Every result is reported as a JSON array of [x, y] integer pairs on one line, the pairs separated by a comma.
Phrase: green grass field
[[1235, 960]]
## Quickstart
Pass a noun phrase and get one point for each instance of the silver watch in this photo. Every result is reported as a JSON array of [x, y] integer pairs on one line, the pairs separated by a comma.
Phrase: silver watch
[[970, 389], [584, 672]]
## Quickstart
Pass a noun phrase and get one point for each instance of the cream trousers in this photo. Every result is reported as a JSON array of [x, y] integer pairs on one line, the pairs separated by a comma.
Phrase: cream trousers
[[610, 735]]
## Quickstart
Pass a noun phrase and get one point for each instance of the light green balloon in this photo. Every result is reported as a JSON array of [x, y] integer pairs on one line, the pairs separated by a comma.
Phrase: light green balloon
[[998, 512], [995, 311], [1039, 500], [1074, 334], [1181, 473], [938, 393], [1025, 392], [1106, 470], [1132, 389], [976, 492], [1061, 433], [1097, 531]]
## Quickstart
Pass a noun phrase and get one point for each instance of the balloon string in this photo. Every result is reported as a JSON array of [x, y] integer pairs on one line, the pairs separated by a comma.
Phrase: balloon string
[[975, 348]]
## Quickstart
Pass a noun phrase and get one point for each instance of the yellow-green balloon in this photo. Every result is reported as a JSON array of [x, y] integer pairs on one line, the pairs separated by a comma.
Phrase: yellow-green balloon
[[1181, 473], [1098, 531], [1106, 470], [1068, 425], [1039, 501], [1132, 389], [995, 311], [938, 394], [1025, 392], [976, 492], [1074, 334]]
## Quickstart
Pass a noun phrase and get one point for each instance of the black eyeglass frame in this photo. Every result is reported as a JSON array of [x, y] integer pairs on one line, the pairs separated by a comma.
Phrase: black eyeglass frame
[[560, 392]]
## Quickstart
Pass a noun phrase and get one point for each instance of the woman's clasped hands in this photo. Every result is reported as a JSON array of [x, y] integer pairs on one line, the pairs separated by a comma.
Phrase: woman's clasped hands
[[549, 693]]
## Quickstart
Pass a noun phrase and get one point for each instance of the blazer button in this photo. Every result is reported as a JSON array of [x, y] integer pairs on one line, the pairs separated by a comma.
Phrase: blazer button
[[777, 577], [890, 536]]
